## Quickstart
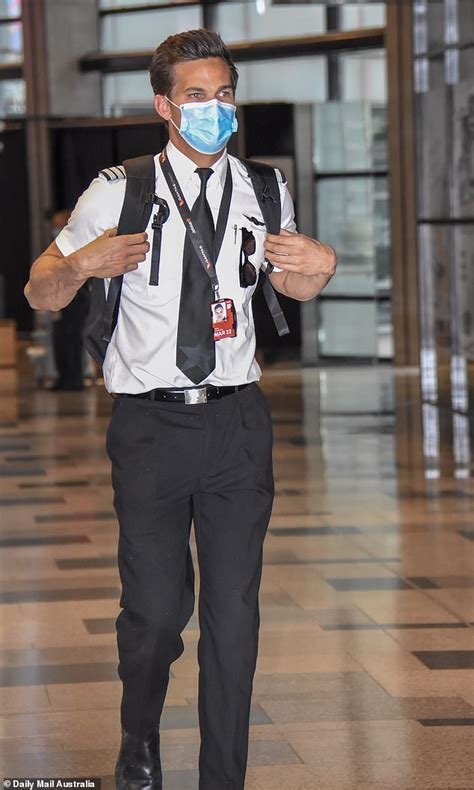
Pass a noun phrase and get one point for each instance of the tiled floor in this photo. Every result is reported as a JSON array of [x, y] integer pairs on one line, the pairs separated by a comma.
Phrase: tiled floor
[[366, 668]]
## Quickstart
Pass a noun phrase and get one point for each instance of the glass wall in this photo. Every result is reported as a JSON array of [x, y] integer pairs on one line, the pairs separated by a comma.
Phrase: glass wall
[[354, 15], [304, 79], [145, 29], [444, 103], [301, 79], [11, 42], [11, 37], [12, 91], [10, 9], [250, 21], [130, 3], [352, 210], [12, 98]]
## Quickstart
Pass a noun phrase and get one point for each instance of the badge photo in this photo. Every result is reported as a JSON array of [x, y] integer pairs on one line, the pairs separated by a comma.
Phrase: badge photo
[[224, 323]]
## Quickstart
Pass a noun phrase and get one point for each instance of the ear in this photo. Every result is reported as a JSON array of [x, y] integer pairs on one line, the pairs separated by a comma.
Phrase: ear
[[162, 106]]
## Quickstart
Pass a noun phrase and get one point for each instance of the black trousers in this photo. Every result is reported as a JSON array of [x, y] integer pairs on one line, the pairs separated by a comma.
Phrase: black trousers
[[172, 464]]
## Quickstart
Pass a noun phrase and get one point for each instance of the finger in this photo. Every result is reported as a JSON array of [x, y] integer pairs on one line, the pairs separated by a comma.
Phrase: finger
[[134, 259], [137, 249], [284, 260], [123, 269], [287, 240], [277, 248], [282, 246], [122, 262], [110, 232], [289, 256], [134, 238], [116, 271], [290, 267]]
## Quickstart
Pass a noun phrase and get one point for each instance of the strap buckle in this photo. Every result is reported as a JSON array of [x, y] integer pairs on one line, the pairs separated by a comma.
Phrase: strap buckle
[[198, 395]]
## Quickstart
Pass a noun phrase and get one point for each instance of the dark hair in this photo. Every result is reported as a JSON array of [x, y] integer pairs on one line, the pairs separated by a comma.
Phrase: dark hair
[[190, 45]]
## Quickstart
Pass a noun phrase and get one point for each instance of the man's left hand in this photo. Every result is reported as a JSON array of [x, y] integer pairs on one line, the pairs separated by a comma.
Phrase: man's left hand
[[295, 252]]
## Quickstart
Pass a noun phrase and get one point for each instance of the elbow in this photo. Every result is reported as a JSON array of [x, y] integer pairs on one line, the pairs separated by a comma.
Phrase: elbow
[[29, 296], [34, 302], [332, 260]]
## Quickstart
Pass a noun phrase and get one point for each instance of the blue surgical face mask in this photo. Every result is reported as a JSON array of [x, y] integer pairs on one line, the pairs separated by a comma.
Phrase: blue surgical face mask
[[206, 126]]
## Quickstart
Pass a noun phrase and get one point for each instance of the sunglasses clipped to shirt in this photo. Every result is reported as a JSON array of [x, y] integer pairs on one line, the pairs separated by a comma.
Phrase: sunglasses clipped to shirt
[[247, 271]]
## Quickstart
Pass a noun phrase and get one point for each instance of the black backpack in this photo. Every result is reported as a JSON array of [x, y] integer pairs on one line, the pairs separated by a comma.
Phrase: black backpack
[[135, 215]]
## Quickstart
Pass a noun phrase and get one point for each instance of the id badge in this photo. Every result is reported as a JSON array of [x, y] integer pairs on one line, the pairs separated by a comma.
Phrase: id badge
[[224, 322]]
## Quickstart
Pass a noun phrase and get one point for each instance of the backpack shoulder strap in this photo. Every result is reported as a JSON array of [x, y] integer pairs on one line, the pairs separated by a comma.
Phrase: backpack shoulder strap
[[139, 194], [134, 218], [265, 184], [267, 192]]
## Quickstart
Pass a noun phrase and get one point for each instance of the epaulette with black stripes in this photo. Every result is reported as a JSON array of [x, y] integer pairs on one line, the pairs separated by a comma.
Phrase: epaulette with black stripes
[[113, 173]]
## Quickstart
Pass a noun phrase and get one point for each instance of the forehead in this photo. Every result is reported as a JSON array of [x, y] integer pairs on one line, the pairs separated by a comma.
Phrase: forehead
[[207, 72]]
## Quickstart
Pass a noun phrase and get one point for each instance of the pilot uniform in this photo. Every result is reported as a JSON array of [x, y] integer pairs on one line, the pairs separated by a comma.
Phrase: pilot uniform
[[174, 463]]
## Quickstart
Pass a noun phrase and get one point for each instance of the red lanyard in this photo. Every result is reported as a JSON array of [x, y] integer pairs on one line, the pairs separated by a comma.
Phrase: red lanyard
[[191, 228]]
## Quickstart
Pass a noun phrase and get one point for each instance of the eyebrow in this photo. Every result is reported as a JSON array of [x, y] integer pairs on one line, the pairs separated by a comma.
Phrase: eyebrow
[[221, 88]]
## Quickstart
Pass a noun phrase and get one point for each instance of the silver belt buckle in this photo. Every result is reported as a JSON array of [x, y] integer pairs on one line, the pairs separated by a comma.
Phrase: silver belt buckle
[[198, 395]]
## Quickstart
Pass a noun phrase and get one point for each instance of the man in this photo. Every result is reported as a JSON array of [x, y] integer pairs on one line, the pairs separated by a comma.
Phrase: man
[[185, 460]]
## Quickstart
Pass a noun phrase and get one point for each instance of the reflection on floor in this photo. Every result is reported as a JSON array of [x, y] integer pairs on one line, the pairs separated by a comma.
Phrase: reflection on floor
[[365, 674]]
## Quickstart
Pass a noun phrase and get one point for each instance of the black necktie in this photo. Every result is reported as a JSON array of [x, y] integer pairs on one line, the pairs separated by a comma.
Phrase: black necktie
[[195, 349]]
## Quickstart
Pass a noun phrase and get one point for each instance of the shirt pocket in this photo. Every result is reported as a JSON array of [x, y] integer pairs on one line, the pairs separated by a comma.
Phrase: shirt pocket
[[169, 279]]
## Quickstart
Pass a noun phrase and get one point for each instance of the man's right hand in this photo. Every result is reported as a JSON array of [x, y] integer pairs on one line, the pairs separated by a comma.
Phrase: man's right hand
[[55, 278], [109, 255]]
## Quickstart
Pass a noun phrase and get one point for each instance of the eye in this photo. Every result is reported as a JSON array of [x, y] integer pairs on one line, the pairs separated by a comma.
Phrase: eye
[[195, 95]]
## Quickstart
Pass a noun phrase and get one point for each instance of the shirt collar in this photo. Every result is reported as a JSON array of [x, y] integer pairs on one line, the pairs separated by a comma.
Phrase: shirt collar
[[184, 167]]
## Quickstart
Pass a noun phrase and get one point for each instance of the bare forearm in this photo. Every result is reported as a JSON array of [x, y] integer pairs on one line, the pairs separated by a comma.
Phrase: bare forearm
[[55, 279], [301, 287], [307, 264], [53, 283]]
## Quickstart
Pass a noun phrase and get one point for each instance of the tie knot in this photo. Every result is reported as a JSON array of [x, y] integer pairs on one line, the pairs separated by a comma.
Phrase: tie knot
[[204, 174]]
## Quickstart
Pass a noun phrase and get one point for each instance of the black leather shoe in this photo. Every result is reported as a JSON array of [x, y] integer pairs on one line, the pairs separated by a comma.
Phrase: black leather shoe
[[138, 764]]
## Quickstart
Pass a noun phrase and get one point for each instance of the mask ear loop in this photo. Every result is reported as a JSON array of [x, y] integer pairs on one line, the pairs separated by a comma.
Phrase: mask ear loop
[[172, 102], [178, 128]]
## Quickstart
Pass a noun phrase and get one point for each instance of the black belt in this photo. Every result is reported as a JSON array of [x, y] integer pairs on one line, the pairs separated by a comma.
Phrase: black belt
[[190, 395]]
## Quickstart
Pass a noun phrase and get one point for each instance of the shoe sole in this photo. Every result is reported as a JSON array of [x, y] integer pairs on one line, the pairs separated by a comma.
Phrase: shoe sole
[[137, 784]]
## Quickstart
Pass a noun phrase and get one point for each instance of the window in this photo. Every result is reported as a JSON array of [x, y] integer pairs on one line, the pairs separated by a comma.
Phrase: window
[[301, 79], [261, 20], [10, 8], [146, 29], [354, 15], [350, 135], [128, 3], [12, 98], [352, 215], [363, 76], [127, 94], [12, 91], [11, 42]]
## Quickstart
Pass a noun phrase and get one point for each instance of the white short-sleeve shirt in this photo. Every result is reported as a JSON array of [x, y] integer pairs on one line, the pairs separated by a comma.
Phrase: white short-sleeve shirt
[[142, 352]]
